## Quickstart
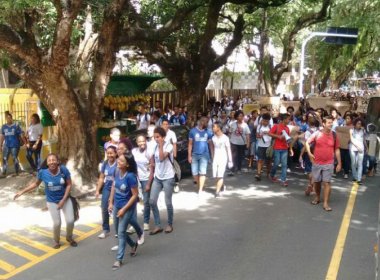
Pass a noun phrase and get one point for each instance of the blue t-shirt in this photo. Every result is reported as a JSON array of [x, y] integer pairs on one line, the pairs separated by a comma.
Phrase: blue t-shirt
[[109, 174], [12, 135], [177, 120], [200, 141], [55, 185], [123, 188]]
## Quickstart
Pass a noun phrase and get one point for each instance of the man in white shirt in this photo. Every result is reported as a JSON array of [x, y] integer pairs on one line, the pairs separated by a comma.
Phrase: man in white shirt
[[143, 118], [263, 110]]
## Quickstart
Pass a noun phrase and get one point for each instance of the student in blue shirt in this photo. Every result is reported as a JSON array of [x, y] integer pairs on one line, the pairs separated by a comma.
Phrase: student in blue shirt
[[199, 148], [57, 182], [177, 119], [10, 136], [105, 181], [123, 200]]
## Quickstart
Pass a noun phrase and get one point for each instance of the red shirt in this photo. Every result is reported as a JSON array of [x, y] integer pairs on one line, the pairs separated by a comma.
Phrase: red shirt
[[324, 147], [280, 144]]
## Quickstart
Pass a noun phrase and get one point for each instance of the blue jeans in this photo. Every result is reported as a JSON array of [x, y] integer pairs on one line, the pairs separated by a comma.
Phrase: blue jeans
[[146, 197], [157, 186], [134, 223], [280, 156], [6, 153], [34, 162], [124, 238], [105, 215], [199, 164], [368, 163]]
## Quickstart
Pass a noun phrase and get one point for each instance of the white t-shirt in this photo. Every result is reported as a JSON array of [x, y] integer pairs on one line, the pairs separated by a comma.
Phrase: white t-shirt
[[358, 139], [221, 144], [265, 140], [143, 120], [142, 161], [238, 133], [34, 131], [171, 137], [164, 169], [258, 120], [372, 138]]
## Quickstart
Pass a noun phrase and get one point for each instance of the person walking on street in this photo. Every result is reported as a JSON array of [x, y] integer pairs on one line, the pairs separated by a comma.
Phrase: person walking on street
[[142, 157], [123, 200], [34, 142], [163, 180], [221, 156], [11, 139], [143, 118], [57, 180], [240, 140], [263, 142], [199, 148], [280, 132], [325, 145], [104, 185], [357, 149]]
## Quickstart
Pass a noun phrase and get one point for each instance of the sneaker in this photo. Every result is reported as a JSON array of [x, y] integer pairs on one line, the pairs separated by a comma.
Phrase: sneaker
[[116, 265], [146, 227], [284, 183], [288, 170], [360, 182], [176, 188], [345, 176], [116, 236], [131, 230], [238, 172], [245, 170], [115, 248], [258, 177], [218, 194], [223, 189], [103, 235], [141, 239]]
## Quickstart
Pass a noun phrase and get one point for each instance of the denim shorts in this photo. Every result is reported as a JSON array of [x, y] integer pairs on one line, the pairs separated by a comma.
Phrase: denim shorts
[[199, 164], [262, 153]]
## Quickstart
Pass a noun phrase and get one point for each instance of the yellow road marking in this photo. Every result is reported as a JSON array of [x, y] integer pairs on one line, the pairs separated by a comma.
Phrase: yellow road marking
[[6, 266], [92, 225], [18, 251], [336, 257], [42, 232], [30, 242], [48, 255], [78, 232]]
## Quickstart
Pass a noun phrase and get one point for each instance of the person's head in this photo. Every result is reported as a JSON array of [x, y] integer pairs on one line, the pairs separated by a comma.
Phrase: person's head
[[115, 135], [239, 116], [150, 131], [111, 153], [157, 104], [265, 119], [156, 115], [35, 119], [263, 110], [184, 109], [165, 125], [312, 121], [334, 113], [9, 118], [223, 115], [358, 123], [199, 114], [122, 148], [232, 114], [217, 127], [126, 162], [142, 108], [141, 142], [254, 113], [285, 118], [348, 119], [176, 110], [290, 110], [327, 122], [203, 122], [159, 134], [52, 162]]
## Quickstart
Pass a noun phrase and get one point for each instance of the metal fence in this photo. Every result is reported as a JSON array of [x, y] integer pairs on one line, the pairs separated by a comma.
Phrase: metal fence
[[21, 112]]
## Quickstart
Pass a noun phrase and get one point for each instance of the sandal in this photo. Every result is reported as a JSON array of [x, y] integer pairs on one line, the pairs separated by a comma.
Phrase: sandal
[[133, 253], [168, 229], [258, 177], [327, 209], [57, 246], [315, 202], [308, 190], [72, 243], [155, 231]]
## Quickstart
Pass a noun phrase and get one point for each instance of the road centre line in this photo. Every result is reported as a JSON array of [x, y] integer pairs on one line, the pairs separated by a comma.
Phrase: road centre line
[[336, 257], [48, 255]]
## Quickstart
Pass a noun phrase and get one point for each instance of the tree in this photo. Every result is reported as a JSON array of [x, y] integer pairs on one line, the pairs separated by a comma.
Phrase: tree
[[187, 57]]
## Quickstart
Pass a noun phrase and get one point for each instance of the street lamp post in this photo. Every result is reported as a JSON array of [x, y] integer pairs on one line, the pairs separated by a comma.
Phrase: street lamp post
[[304, 43]]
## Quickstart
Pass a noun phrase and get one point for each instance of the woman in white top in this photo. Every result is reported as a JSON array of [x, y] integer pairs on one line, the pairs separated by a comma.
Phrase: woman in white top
[[221, 155], [142, 157], [163, 180], [34, 144], [357, 149], [240, 140]]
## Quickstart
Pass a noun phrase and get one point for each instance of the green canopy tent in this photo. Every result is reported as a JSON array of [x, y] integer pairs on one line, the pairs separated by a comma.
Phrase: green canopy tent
[[128, 85]]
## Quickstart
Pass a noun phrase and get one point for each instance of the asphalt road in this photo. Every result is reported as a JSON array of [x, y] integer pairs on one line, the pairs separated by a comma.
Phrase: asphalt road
[[256, 231]]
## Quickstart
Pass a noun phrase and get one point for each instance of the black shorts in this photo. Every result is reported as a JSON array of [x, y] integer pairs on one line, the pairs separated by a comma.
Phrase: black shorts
[[262, 153]]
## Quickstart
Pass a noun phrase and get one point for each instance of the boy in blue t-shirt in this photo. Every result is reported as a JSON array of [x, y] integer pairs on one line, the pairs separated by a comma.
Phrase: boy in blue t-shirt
[[199, 148], [11, 139]]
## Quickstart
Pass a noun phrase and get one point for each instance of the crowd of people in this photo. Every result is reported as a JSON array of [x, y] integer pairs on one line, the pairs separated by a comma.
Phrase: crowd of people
[[233, 142]]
